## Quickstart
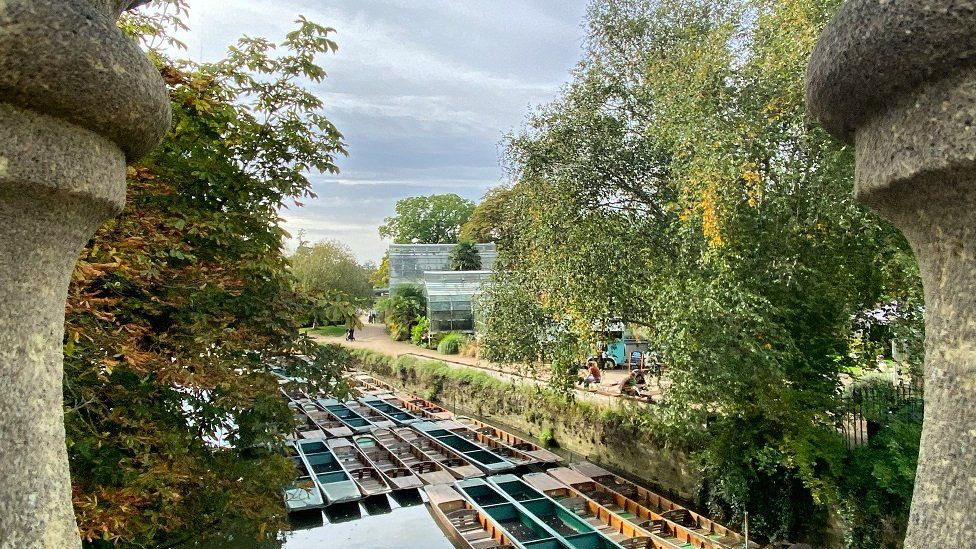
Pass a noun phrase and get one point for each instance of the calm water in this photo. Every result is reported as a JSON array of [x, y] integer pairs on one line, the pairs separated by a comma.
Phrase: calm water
[[402, 522]]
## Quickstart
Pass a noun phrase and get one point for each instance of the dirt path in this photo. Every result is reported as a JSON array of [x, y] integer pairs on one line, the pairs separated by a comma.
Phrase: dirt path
[[374, 338]]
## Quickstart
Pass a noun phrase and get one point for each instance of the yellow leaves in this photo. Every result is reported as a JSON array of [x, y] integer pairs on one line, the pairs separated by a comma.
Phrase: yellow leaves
[[711, 227], [754, 184]]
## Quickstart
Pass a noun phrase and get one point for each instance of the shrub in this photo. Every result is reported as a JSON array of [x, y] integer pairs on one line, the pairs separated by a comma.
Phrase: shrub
[[548, 439], [451, 343], [470, 348], [419, 332]]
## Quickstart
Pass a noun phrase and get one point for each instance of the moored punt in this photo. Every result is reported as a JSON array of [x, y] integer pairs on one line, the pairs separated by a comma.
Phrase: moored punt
[[369, 480], [451, 460], [660, 504], [325, 421], [482, 457], [303, 493], [330, 476], [466, 526], [517, 443], [516, 524], [394, 471], [632, 511], [566, 524], [424, 466], [516, 457], [608, 522], [306, 429], [424, 408], [391, 411], [375, 418], [347, 417]]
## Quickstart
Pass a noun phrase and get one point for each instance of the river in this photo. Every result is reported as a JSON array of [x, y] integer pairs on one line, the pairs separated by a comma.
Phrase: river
[[399, 522]]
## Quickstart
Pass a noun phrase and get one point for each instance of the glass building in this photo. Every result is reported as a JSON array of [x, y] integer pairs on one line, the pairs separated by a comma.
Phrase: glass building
[[409, 262], [450, 295]]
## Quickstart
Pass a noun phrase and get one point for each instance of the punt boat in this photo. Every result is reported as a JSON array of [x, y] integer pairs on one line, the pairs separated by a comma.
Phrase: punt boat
[[516, 457], [395, 472], [349, 418], [306, 428], [608, 522], [325, 421], [481, 456], [390, 409], [302, 494], [572, 528], [369, 480], [423, 465], [424, 408], [523, 528], [448, 458], [660, 504], [637, 514], [330, 476], [517, 443], [375, 418], [466, 526]]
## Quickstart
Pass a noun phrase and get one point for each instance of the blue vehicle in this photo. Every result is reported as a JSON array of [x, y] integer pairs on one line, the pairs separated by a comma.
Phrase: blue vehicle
[[619, 348]]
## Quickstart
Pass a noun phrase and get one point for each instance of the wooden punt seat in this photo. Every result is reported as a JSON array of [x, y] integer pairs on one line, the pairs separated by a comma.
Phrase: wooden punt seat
[[466, 522], [638, 543], [679, 516], [424, 467], [575, 504]]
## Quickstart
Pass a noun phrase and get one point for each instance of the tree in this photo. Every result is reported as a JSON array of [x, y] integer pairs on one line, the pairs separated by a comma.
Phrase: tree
[[179, 308], [677, 183], [329, 267], [491, 220], [434, 219], [403, 309], [465, 257], [380, 278]]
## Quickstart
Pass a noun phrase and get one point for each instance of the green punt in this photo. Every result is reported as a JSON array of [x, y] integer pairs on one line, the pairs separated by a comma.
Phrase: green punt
[[518, 526], [331, 477], [483, 458], [370, 415], [343, 414], [394, 413], [566, 524], [303, 494]]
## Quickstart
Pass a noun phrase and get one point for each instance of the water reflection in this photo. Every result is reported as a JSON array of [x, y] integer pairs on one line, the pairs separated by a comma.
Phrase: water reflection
[[398, 522]]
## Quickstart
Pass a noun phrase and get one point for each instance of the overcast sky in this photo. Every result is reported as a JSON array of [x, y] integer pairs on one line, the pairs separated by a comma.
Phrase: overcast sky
[[422, 90]]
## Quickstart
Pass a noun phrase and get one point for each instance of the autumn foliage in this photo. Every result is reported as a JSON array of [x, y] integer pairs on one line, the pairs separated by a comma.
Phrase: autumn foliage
[[179, 308]]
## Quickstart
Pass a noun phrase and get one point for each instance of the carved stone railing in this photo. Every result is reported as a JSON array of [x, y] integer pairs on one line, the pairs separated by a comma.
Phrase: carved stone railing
[[77, 100], [898, 79]]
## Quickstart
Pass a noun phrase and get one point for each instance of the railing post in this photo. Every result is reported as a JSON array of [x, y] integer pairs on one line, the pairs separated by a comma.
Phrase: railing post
[[77, 99], [898, 79]]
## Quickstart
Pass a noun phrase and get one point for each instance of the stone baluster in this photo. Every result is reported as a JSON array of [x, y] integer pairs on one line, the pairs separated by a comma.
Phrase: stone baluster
[[77, 99], [898, 79]]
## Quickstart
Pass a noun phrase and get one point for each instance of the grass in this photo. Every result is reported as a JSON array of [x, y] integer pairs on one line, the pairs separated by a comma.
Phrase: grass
[[331, 331]]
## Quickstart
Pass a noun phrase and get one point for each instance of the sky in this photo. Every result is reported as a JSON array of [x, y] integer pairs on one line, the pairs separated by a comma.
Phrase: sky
[[423, 91]]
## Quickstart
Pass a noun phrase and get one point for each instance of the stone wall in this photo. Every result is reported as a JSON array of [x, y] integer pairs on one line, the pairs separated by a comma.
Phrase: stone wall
[[615, 437]]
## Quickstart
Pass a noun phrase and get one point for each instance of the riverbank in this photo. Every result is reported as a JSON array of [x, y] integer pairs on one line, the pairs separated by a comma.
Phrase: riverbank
[[618, 433]]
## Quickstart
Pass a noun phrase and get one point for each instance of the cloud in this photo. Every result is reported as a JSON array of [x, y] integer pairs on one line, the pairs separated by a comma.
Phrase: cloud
[[422, 91]]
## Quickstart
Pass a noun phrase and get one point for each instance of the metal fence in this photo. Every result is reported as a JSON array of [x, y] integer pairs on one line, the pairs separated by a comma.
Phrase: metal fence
[[868, 409]]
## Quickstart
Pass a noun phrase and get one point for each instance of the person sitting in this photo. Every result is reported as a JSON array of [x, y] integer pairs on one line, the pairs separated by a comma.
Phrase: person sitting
[[594, 375]]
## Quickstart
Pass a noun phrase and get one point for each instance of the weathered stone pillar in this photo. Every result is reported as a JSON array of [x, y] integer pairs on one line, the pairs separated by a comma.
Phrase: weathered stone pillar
[[898, 79], [77, 98]]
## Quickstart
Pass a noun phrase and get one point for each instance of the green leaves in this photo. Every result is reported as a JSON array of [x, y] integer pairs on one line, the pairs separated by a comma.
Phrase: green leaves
[[677, 184], [180, 307], [434, 219]]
